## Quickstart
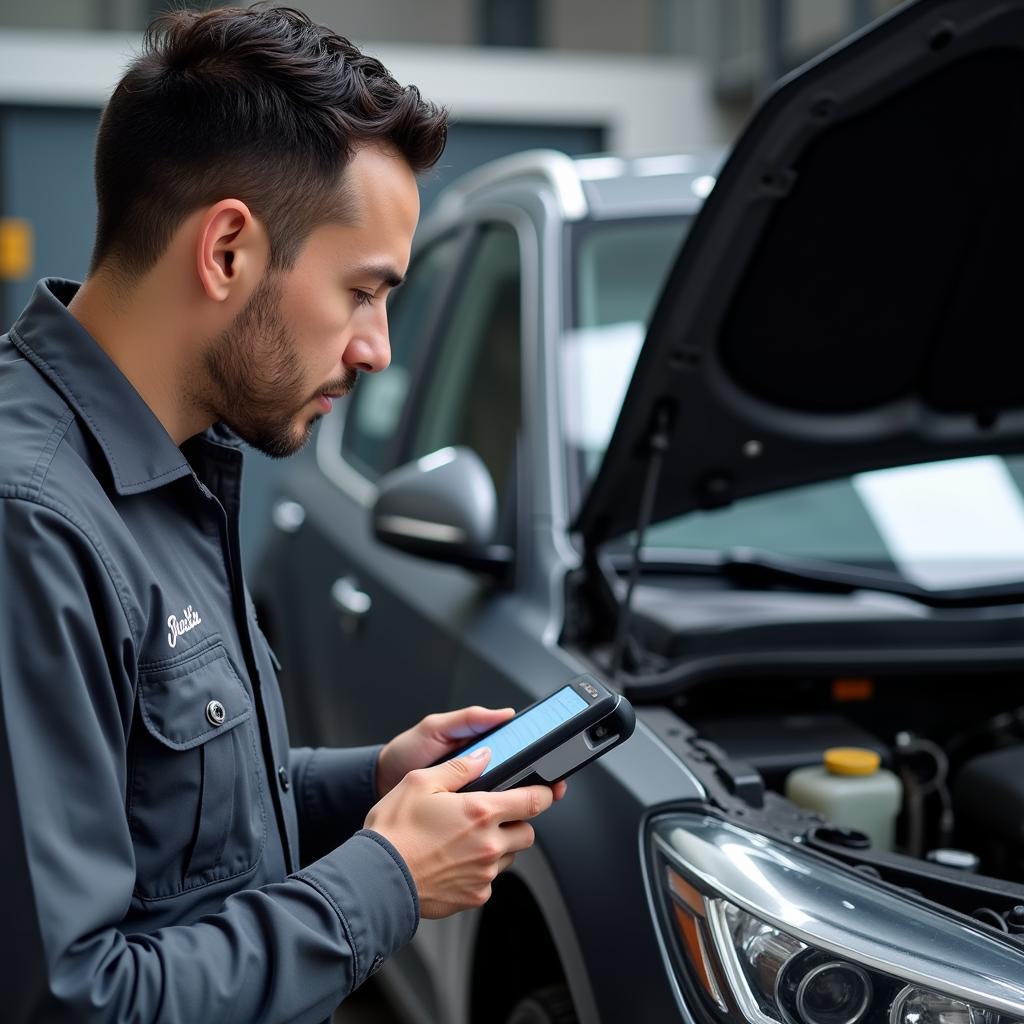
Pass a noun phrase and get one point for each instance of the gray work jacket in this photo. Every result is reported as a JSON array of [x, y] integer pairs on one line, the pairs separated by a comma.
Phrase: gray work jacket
[[165, 855]]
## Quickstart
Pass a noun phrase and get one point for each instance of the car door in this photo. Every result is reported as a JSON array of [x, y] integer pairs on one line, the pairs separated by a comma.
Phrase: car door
[[381, 639]]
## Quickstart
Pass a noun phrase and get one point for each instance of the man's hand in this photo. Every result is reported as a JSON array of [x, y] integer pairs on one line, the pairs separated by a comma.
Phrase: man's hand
[[454, 844], [430, 740]]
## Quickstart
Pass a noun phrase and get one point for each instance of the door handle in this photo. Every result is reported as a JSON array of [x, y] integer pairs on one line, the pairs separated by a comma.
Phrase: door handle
[[352, 602]]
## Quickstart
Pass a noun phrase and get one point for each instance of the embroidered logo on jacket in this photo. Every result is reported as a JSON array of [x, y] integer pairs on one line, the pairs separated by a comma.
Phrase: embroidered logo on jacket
[[179, 626]]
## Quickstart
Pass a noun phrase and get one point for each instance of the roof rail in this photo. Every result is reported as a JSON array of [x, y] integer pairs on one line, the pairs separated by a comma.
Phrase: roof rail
[[557, 169]]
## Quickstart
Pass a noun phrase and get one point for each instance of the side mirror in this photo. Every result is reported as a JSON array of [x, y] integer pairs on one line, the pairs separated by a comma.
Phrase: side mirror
[[442, 507]]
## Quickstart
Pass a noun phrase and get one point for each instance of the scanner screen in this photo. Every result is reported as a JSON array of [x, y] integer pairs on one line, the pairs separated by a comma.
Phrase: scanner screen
[[520, 732]]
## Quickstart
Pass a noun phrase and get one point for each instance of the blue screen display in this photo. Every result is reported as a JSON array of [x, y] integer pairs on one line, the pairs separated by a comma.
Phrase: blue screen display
[[522, 731]]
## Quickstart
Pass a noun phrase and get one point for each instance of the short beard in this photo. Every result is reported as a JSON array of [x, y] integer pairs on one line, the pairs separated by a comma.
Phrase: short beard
[[257, 375]]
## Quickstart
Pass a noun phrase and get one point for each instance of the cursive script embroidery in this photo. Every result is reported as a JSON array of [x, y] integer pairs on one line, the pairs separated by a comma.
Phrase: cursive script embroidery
[[178, 626]]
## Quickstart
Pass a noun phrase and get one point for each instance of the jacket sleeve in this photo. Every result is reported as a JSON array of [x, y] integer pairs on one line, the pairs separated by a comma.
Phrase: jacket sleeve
[[290, 951], [334, 791]]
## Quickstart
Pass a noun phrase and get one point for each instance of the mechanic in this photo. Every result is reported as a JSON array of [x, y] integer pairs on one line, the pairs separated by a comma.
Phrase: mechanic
[[167, 856]]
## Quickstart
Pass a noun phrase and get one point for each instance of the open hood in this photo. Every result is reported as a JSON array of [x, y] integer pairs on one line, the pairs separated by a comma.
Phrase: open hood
[[850, 295]]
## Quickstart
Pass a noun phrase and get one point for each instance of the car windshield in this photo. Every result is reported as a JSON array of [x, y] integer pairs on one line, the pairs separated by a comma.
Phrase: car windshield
[[944, 524]]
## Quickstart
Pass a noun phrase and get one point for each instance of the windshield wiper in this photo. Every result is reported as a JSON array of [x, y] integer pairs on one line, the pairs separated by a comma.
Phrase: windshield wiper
[[749, 567]]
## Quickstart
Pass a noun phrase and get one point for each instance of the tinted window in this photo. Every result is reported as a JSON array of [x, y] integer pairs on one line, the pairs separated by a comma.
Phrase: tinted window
[[473, 397], [375, 412]]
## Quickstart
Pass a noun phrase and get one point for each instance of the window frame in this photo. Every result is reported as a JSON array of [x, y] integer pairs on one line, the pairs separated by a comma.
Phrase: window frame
[[433, 320], [413, 412], [347, 477], [500, 215], [353, 478], [511, 501]]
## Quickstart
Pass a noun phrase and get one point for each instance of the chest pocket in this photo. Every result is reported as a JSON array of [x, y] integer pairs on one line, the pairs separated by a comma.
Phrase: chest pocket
[[195, 788]]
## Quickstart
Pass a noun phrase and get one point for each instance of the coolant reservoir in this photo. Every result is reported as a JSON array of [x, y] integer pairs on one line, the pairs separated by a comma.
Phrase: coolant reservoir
[[851, 789]]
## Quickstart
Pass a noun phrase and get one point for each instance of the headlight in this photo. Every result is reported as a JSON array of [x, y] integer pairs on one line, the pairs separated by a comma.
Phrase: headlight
[[788, 980], [775, 936]]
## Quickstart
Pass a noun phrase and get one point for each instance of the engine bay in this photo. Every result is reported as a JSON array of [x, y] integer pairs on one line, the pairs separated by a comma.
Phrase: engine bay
[[749, 684], [954, 743]]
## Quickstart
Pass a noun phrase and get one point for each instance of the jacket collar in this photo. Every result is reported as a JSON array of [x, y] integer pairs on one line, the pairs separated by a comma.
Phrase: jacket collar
[[140, 452]]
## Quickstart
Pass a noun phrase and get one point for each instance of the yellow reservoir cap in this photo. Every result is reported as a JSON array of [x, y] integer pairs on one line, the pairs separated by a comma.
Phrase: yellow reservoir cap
[[851, 761]]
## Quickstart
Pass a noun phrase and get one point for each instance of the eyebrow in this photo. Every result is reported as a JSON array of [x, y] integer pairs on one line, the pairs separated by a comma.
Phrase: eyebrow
[[383, 272]]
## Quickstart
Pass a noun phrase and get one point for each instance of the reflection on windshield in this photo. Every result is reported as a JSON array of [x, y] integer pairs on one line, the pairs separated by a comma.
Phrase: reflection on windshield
[[949, 524], [958, 523], [599, 362]]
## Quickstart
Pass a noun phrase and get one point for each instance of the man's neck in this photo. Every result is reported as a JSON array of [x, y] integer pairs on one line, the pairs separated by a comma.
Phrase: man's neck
[[141, 333]]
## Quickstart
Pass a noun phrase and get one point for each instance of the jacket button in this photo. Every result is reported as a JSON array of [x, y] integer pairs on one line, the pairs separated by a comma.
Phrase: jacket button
[[282, 777], [215, 713]]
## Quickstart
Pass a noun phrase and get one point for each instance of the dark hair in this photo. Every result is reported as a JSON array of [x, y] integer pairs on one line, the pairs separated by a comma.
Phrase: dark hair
[[259, 104]]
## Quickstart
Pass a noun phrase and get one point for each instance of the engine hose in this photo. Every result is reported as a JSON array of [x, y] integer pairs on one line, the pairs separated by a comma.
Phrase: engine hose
[[913, 810]]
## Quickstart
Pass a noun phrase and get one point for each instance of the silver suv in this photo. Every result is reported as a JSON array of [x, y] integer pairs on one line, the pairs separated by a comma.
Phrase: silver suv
[[740, 440]]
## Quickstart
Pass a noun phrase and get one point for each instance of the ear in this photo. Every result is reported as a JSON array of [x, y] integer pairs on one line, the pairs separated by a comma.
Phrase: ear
[[231, 250]]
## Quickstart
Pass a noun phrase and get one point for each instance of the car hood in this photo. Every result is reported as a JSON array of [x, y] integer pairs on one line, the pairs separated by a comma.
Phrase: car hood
[[849, 295]]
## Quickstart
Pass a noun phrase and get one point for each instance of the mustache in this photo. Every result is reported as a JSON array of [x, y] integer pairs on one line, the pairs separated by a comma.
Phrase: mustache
[[344, 386]]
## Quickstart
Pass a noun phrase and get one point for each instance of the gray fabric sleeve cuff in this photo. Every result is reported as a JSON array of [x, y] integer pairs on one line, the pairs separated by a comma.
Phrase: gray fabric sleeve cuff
[[370, 888]]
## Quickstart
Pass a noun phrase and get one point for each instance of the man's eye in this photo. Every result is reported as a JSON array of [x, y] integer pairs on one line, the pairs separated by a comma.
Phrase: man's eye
[[363, 298]]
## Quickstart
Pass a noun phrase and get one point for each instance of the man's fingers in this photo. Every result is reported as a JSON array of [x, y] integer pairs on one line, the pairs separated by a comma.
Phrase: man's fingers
[[521, 804], [459, 771], [505, 862], [518, 836], [468, 722]]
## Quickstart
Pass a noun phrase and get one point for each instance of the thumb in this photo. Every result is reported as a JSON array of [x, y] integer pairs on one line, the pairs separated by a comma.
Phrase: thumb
[[471, 721], [460, 771]]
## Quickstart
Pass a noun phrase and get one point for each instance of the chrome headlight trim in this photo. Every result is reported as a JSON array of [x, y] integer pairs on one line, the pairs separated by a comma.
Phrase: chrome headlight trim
[[738, 986], [837, 911]]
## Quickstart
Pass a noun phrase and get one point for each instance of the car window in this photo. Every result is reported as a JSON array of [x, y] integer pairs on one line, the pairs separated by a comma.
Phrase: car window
[[945, 524], [619, 269], [954, 523], [375, 411], [473, 395]]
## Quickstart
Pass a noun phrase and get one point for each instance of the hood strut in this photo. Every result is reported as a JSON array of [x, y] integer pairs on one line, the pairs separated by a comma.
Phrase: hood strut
[[657, 446]]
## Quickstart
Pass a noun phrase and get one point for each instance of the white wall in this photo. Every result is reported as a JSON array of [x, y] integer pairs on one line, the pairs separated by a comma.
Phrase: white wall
[[645, 103]]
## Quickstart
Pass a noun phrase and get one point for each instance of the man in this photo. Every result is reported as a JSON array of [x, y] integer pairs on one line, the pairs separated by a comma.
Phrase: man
[[166, 856]]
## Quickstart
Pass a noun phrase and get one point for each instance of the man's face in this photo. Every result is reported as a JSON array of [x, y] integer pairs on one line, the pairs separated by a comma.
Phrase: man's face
[[306, 333]]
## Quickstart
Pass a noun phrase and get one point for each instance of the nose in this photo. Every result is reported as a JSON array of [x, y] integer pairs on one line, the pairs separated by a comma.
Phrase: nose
[[370, 348]]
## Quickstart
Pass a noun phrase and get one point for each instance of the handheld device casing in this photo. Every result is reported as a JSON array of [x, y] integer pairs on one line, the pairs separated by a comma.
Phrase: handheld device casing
[[607, 721]]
